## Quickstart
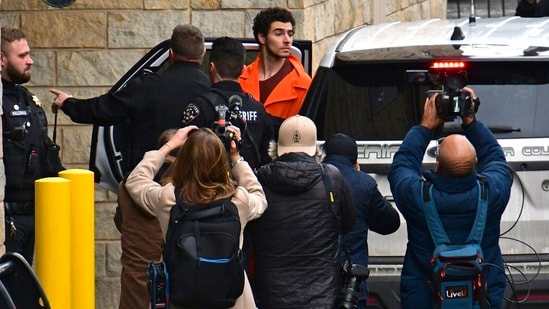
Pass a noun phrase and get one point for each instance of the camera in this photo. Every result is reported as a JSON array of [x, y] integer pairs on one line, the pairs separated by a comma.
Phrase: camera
[[353, 275], [229, 116], [452, 100], [158, 285]]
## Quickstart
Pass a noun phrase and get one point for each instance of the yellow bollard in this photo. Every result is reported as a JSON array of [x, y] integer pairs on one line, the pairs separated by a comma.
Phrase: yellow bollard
[[53, 239], [83, 237]]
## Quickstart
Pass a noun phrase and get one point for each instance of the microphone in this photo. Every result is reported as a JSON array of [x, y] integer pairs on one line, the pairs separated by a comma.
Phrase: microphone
[[235, 102]]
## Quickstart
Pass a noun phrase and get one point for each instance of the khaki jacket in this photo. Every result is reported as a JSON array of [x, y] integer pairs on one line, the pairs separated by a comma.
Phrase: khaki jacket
[[158, 200]]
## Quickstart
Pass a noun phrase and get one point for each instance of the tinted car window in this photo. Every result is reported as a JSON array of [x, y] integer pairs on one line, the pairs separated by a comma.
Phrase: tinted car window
[[387, 99]]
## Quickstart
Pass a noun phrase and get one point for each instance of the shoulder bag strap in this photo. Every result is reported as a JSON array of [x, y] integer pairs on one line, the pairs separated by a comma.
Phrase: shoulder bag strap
[[329, 189], [211, 98], [438, 234], [54, 136], [475, 237]]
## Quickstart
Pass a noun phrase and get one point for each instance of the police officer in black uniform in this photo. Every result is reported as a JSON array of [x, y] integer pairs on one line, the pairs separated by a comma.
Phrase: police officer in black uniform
[[150, 103], [227, 58], [25, 134]]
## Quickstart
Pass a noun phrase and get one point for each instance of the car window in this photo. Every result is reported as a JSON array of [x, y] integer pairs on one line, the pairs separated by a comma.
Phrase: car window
[[387, 99]]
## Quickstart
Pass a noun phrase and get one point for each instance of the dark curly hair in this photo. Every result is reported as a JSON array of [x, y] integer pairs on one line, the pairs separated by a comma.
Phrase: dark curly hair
[[264, 19]]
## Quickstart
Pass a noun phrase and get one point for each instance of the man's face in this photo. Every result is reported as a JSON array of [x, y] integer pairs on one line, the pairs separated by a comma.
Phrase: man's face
[[16, 62], [278, 40]]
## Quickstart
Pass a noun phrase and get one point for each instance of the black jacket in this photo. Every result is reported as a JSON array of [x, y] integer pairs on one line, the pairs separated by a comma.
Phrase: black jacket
[[258, 128], [149, 104], [373, 212], [539, 9], [24, 132], [296, 242]]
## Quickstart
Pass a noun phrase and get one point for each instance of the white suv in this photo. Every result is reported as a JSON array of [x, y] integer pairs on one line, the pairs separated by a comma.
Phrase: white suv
[[372, 85]]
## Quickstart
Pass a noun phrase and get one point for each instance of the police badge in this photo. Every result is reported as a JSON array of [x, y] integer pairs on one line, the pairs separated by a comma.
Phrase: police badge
[[36, 101]]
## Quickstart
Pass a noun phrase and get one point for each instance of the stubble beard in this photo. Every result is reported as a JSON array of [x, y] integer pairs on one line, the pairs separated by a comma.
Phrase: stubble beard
[[274, 54]]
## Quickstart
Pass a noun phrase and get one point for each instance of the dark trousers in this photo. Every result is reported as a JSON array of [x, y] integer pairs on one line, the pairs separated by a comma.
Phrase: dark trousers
[[141, 240], [20, 235]]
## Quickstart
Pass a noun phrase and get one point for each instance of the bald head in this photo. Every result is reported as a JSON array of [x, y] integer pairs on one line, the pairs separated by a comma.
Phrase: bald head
[[456, 157]]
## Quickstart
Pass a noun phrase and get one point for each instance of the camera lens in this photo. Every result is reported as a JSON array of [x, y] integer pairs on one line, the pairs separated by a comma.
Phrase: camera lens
[[348, 296]]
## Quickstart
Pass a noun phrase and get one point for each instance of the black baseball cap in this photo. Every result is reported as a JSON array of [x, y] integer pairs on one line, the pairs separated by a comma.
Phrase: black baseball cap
[[343, 145]]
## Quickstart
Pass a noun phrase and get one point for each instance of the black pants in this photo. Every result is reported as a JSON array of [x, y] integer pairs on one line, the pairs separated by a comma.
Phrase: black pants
[[20, 240]]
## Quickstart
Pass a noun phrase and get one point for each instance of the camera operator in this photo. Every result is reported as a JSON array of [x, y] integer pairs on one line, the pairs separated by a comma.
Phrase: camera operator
[[226, 64], [459, 161]]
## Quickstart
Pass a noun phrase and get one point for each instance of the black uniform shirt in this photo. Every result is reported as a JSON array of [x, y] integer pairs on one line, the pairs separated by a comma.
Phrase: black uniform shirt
[[150, 103], [259, 131]]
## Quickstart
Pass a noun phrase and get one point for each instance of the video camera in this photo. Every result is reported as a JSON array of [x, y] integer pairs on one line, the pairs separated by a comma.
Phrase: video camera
[[229, 116], [452, 100]]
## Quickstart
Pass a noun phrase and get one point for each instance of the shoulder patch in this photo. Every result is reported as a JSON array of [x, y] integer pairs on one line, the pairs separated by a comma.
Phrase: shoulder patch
[[189, 114]]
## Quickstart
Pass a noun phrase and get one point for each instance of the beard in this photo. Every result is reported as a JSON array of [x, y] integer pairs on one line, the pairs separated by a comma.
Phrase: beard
[[274, 53], [16, 76]]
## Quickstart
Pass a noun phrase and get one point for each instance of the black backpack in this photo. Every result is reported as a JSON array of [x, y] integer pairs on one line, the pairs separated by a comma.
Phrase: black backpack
[[202, 255]]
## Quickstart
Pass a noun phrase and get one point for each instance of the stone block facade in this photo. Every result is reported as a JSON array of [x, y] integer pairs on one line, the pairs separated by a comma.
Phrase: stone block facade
[[86, 47]]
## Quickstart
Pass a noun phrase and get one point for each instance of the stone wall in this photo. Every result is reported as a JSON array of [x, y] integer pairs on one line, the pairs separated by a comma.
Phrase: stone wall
[[86, 47]]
